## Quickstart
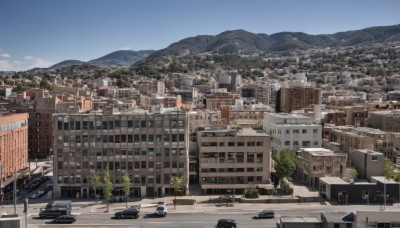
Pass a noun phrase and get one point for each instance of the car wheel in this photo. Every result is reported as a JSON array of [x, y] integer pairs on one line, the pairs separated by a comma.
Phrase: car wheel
[[137, 216]]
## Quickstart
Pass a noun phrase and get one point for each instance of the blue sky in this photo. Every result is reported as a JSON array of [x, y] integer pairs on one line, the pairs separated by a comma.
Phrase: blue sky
[[39, 33]]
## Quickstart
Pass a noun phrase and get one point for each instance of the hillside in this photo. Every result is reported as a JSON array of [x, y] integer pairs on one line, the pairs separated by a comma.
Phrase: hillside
[[240, 41]]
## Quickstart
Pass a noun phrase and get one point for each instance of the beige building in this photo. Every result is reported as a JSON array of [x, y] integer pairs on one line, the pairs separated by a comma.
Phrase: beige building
[[234, 160], [150, 147], [385, 120], [313, 163]]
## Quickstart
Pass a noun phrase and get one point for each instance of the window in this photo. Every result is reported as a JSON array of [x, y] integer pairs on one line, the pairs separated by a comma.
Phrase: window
[[287, 143], [374, 158], [260, 143], [240, 144], [304, 131], [296, 131], [287, 132], [315, 143], [315, 130], [231, 143], [295, 143]]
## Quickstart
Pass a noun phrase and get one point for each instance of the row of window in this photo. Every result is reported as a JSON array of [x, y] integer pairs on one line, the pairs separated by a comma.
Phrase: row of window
[[121, 138], [231, 170], [232, 144], [67, 124], [119, 165], [109, 152], [232, 180], [136, 179], [294, 131]]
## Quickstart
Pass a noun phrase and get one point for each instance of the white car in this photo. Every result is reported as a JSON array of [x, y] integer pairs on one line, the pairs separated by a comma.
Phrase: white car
[[34, 196], [161, 210]]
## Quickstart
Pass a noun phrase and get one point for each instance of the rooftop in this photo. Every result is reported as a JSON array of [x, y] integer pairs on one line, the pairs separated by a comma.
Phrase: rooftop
[[300, 219], [333, 180]]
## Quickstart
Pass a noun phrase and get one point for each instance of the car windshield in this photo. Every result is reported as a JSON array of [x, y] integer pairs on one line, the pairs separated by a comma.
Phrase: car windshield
[[160, 208]]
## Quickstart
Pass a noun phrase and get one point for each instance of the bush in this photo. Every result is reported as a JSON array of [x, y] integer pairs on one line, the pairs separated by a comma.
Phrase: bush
[[251, 193]]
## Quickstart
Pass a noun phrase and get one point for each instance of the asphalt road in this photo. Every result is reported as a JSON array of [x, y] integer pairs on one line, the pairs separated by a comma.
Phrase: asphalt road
[[177, 220]]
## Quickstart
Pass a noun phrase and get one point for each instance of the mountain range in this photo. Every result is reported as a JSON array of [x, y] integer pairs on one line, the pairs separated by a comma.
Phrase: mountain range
[[241, 41], [114, 59]]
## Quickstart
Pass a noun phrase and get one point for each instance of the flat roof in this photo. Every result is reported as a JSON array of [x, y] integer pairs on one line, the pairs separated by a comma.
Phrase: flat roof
[[335, 217], [333, 180], [300, 219]]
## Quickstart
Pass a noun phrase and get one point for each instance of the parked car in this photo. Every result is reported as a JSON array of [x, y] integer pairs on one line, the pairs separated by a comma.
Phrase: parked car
[[64, 219], [226, 223], [127, 213], [161, 209], [51, 213], [40, 193], [34, 196], [265, 214]]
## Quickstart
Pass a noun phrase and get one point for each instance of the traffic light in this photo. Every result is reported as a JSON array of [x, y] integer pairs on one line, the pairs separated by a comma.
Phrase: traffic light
[[26, 206]]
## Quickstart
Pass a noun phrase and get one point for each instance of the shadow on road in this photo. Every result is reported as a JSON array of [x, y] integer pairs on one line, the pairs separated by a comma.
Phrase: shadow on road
[[152, 216]]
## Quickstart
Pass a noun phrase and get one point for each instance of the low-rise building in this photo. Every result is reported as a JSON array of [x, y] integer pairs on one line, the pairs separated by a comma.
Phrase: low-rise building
[[314, 163], [234, 160]]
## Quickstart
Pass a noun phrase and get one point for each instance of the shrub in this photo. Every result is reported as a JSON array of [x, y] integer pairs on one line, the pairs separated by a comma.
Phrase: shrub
[[251, 193]]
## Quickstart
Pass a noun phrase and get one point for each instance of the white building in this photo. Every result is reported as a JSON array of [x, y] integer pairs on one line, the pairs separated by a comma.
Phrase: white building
[[292, 131]]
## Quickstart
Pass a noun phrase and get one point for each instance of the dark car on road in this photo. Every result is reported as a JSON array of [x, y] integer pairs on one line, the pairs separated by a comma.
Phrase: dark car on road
[[226, 223], [64, 219], [127, 213], [266, 214]]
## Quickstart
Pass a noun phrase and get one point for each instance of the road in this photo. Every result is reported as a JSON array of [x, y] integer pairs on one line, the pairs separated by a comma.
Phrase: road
[[195, 219]]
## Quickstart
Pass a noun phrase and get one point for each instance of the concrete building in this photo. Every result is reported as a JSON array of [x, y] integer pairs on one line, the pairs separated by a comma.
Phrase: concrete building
[[292, 131], [219, 99], [351, 138], [295, 97], [203, 119], [13, 144], [368, 163], [314, 163], [231, 160], [149, 146], [236, 114], [385, 120]]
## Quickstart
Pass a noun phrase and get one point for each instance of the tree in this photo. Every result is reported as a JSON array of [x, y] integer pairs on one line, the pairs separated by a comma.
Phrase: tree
[[177, 184], [127, 186], [285, 164], [388, 172], [108, 186], [96, 182]]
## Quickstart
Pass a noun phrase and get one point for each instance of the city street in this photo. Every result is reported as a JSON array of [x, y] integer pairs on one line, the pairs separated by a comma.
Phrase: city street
[[200, 215]]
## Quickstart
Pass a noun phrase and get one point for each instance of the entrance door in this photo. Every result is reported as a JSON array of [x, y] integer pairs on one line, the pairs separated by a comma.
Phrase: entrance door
[[149, 192], [136, 192]]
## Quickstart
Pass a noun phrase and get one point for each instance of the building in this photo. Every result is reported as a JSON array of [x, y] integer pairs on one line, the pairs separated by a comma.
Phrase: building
[[13, 145], [219, 99], [377, 218], [149, 146], [295, 97], [368, 163], [232, 160], [40, 106], [314, 163], [385, 120], [237, 114], [336, 190], [299, 222], [292, 131], [351, 138]]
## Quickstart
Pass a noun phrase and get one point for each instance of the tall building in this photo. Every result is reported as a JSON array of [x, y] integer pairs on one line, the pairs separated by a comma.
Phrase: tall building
[[149, 146], [13, 144], [295, 97], [232, 160]]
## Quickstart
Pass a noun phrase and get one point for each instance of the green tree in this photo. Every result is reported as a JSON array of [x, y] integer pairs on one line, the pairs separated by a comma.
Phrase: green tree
[[285, 164], [108, 187], [388, 169], [127, 186], [95, 180], [177, 183], [44, 84]]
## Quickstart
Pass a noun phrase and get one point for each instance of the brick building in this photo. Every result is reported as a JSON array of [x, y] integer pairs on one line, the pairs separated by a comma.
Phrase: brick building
[[296, 97], [13, 143]]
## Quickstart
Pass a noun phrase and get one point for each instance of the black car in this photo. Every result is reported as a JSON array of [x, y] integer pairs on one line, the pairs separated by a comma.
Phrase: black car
[[127, 213], [226, 223], [266, 214], [64, 219]]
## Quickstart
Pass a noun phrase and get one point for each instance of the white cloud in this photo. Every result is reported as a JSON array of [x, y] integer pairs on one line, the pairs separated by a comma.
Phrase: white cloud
[[6, 55], [41, 63], [25, 64], [125, 48], [5, 65]]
